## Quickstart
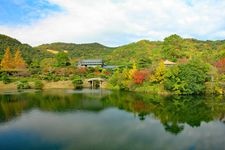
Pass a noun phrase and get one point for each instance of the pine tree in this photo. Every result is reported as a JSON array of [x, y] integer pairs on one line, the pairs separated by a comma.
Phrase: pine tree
[[7, 61], [19, 62]]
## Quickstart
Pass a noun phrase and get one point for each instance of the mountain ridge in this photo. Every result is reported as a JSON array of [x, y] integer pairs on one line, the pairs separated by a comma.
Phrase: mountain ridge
[[173, 48]]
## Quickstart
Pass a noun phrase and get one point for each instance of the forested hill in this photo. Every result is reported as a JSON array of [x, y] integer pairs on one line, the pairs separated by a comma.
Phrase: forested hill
[[29, 53], [173, 48], [89, 50]]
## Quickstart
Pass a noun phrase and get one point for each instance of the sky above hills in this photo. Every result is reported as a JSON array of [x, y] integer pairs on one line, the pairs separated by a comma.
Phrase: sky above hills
[[111, 22]]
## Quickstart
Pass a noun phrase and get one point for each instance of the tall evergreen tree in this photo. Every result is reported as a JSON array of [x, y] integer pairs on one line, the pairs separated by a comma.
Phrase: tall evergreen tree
[[7, 61], [19, 62]]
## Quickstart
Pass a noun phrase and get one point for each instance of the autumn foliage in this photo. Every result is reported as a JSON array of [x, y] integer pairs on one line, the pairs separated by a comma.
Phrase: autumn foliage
[[159, 73], [19, 63], [8, 62], [220, 65], [139, 76]]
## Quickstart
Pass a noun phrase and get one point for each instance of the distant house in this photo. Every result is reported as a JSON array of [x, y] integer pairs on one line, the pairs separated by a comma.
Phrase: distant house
[[110, 67], [169, 63], [91, 63]]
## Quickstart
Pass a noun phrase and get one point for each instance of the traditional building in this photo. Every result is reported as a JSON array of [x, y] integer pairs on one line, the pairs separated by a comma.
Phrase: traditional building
[[91, 63]]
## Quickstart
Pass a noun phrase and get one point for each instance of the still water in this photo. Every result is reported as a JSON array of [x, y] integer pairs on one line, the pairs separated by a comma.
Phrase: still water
[[99, 119]]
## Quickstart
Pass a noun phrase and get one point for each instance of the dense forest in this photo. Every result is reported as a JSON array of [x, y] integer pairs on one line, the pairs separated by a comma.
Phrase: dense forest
[[173, 48], [199, 65]]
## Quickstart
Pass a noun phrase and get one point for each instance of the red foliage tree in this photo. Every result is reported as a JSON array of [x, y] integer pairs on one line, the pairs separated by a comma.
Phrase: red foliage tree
[[220, 65], [139, 76]]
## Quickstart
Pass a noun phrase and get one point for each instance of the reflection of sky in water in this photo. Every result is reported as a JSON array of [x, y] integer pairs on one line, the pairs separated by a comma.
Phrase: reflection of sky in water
[[86, 91], [107, 129]]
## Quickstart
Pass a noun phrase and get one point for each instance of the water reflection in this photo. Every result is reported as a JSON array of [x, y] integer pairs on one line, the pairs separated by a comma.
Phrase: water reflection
[[173, 112], [129, 120]]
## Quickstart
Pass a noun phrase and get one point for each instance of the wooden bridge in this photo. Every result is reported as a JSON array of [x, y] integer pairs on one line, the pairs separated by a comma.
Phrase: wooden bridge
[[96, 82]]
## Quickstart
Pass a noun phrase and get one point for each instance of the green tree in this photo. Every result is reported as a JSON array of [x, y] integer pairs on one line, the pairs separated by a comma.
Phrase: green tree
[[172, 47], [187, 78], [144, 62], [121, 79], [62, 59], [47, 65]]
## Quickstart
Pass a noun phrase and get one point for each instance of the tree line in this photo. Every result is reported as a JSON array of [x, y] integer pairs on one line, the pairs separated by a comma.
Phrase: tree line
[[15, 61]]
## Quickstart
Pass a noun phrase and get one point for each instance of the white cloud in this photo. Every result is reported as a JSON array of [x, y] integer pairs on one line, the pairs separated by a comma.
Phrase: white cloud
[[114, 22]]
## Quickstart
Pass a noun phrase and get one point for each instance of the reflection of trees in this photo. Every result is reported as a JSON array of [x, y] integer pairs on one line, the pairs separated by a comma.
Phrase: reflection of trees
[[13, 105], [173, 112], [173, 128], [217, 106], [10, 108]]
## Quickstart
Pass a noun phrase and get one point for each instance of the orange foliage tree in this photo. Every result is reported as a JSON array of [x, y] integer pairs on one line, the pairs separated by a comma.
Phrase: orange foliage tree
[[19, 63], [7, 61]]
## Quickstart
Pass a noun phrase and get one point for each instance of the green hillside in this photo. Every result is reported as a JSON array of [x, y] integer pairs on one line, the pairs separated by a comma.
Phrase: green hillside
[[90, 50], [131, 53], [29, 53], [174, 48]]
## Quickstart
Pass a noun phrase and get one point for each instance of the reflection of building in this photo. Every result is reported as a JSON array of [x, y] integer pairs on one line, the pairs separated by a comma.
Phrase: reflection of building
[[91, 63], [169, 63]]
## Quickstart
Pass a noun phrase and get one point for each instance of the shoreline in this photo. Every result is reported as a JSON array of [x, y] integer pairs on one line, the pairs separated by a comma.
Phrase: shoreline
[[47, 85], [68, 85]]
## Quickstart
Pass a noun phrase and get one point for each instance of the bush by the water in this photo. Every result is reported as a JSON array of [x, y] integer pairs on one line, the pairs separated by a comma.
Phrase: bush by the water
[[38, 84], [23, 84], [77, 82], [49, 77]]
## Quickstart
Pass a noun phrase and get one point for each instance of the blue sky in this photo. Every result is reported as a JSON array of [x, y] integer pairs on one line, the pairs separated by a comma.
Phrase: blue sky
[[21, 12], [111, 22]]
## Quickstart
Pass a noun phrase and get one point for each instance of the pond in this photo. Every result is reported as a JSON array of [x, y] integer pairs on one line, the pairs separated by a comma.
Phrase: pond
[[100, 119]]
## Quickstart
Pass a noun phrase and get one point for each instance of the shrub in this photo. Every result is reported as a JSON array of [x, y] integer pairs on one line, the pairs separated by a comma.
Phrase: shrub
[[23, 84], [77, 82], [5, 78], [49, 77], [38, 84]]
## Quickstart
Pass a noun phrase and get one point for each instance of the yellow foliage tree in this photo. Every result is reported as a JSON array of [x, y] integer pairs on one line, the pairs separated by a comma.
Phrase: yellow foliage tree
[[19, 62], [132, 71], [159, 73], [7, 61]]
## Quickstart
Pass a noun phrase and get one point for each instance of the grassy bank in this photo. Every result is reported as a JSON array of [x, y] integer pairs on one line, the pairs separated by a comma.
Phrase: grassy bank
[[46, 85]]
